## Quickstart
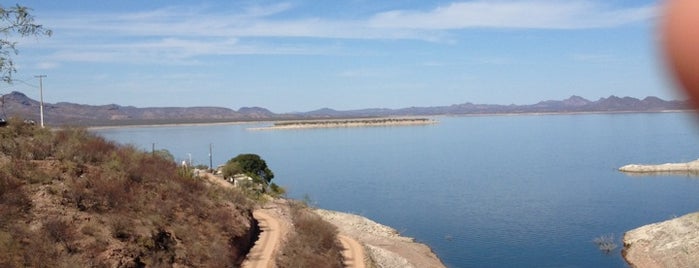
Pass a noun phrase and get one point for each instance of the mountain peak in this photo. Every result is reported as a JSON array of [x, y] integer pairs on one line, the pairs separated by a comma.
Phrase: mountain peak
[[576, 101], [256, 112], [19, 97]]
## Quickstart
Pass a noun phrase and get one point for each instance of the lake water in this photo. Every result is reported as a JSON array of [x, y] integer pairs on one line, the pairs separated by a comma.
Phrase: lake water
[[491, 191]]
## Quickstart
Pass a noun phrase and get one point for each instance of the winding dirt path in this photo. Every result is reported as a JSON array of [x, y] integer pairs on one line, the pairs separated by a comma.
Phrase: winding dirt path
[[263, 252], [272, 231], [353, 252]]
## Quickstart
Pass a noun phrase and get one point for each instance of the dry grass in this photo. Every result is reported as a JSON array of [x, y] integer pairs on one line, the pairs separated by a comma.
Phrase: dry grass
[[98, 203], [313, 244]]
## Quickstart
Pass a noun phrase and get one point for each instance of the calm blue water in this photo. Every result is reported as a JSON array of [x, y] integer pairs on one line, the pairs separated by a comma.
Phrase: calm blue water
[[495, 191]]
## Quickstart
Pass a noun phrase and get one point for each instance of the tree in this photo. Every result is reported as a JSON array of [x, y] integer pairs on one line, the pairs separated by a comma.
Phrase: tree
[[250, 164], [15, 20]]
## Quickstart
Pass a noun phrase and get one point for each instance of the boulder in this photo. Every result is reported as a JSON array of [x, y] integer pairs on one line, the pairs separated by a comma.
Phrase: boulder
[[672, 243]]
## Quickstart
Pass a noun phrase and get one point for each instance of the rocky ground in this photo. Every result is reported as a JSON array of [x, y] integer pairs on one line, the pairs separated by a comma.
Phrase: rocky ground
[[672, 243], [384, 245]]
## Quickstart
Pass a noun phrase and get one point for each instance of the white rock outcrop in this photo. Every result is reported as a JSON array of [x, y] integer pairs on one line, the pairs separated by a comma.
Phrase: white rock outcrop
[[689, 167], [672, 243]]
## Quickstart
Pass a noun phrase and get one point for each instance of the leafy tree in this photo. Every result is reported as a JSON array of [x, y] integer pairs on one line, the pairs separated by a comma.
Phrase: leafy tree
[[250, 164], [231, 169], [15, 20]]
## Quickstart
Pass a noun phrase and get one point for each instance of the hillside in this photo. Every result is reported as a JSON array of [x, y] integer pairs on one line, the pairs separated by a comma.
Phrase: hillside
[[64, 113], [72, 199], [19, 105]]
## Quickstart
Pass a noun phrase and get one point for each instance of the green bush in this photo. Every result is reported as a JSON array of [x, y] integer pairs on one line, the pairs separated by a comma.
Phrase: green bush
[[250, 164]]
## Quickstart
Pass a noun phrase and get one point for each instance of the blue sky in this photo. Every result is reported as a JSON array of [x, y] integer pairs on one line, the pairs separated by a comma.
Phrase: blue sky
[[305, 55]]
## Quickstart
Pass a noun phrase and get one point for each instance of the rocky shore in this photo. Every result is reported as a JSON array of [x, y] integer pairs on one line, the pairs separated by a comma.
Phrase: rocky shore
[[691, 167], [672, 243], [384, 245]]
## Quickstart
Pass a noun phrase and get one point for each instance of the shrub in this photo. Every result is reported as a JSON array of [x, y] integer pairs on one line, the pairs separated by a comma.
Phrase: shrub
[[314, 244], [605, 243], [61, 232], [122, 228], [276, 190], [13, 200]]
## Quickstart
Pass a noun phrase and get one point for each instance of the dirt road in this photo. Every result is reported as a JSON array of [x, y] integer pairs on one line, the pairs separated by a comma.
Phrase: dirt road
[[353, 252], [263, 253]]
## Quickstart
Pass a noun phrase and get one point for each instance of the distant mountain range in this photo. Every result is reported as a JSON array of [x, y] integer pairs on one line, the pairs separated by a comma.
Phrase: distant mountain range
[[16, 104]]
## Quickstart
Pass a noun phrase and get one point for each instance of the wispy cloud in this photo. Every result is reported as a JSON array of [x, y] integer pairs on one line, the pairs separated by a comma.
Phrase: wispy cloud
[[594, 58], [180, 34], [46, 65], [541, 14]]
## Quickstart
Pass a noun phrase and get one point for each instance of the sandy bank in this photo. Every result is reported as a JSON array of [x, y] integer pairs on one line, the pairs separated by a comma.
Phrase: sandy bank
[[680, 168], [384, 245], [343, 123], [672, 243]]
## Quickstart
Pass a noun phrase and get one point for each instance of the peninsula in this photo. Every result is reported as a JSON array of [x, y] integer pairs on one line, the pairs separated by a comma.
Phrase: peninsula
[[688, 168], [338, 123]]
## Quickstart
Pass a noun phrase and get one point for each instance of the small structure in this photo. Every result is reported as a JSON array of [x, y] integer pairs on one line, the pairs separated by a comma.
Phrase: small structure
[[240, 180]]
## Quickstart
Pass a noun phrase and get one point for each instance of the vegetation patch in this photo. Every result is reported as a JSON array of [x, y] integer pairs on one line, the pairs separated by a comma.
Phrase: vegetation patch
[[69, 198], [313, 243]]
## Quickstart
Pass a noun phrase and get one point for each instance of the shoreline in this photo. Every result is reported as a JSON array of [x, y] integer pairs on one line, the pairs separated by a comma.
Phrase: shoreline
[[383, 244], [174, 125], [687, 168]]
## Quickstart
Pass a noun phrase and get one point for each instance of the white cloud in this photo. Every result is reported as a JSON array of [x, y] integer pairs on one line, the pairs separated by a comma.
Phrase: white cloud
[[180, 34], [539, 14], [47, 65]]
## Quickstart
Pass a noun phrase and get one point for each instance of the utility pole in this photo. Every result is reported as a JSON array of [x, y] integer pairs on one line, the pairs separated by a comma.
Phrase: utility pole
[[211, 160], [41, 96]]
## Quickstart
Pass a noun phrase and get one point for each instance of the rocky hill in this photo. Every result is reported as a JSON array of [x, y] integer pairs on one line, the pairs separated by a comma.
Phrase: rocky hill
[[72, 199], [63, 113]]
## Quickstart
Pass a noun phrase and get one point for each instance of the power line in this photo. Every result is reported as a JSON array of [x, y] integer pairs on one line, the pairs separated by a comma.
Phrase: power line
[[25, 83]]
